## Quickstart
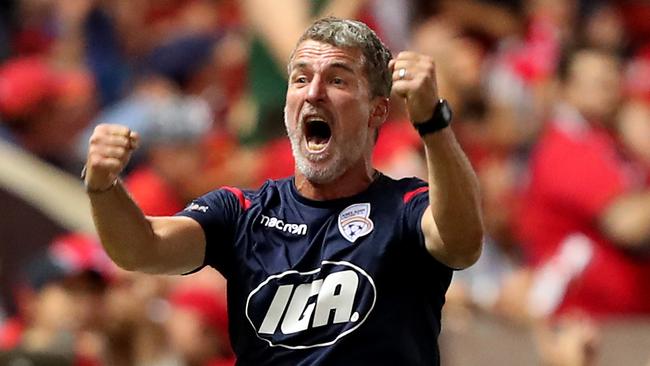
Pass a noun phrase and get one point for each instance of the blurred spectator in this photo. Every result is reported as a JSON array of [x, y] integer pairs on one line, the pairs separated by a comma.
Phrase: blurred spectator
[[42, 107], [604, 27], [568, 342], [135, 312], [134, 111], [634, 129], [62, 302], [491, 20], [520, 74], [157, 320], [198, 327], [637, 75], [585, 223], [171, 136], [74, 34], [393, 19], [636, 14]]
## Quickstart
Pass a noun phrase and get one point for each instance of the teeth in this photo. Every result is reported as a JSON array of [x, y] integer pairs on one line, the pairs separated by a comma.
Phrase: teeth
[[315, 146]]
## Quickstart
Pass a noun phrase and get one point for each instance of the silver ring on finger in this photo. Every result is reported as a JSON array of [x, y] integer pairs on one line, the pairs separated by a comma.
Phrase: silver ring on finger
[[401, 74]]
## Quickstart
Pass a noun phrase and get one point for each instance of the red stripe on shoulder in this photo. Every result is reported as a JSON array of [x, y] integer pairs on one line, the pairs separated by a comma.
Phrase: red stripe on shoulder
[[410, 194], [243, 201]]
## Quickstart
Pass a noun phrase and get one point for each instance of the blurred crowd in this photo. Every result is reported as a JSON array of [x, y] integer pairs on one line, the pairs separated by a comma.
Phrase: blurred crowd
[[551, 102]]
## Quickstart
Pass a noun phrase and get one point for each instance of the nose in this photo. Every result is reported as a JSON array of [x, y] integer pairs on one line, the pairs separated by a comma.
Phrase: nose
[[316, 90]]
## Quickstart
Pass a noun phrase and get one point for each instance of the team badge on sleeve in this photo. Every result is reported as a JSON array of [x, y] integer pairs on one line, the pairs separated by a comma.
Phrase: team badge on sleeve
[[354, 221]]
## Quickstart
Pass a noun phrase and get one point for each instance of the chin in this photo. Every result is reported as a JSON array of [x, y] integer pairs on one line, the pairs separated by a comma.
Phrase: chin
[[319, 176], [318, 173]]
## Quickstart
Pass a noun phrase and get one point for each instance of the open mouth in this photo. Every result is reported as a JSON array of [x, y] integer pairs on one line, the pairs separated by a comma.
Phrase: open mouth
[[317, 135]]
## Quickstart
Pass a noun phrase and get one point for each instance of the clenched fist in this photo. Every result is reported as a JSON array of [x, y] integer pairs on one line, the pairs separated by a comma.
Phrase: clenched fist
[[109, 151], [414, 79]]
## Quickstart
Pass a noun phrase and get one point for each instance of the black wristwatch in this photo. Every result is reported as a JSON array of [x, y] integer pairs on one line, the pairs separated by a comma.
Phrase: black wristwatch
[[441, 118]]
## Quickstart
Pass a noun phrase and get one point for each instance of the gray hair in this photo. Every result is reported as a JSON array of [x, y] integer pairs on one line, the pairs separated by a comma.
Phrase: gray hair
[[345, 33]]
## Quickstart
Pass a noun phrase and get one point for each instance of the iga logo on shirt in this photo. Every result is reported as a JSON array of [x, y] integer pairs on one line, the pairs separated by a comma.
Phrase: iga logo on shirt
[[354, 221], [298, 310]]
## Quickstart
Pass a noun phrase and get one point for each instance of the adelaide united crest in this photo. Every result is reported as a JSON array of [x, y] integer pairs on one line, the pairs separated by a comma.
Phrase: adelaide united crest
[[354, 221]]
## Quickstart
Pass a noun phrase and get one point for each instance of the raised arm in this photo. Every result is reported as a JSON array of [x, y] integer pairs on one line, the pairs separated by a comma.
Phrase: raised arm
[[452, 224], [169, 245], [280, 23]]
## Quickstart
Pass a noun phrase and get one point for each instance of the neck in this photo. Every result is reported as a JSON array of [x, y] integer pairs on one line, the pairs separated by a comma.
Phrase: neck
[[353, 181]]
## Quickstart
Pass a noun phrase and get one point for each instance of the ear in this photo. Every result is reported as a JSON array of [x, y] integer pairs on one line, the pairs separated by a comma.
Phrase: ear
[[378, 112]]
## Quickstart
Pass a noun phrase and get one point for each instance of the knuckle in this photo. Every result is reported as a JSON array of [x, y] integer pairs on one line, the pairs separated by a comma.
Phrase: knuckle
[[92, 151], [121, 141], [94, 139], [104, 128]]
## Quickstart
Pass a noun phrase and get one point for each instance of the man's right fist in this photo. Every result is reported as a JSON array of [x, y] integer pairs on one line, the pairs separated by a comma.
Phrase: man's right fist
[[109, 151]]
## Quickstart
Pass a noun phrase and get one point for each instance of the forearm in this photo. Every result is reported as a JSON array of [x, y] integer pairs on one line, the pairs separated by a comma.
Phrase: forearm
[[452, 224], [341, 8], [125, 233], [280, 24], [168, 245], [454, 199]]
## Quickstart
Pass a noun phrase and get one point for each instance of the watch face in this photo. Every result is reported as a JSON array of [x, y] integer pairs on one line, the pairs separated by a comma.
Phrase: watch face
[[445, 111]]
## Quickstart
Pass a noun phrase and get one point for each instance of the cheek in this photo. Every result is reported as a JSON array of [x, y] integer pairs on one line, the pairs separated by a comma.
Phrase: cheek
[[291, 108], [293, 98], [353, 109]]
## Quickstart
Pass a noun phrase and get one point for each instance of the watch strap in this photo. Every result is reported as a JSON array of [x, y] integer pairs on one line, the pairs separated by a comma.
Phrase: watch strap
[[440, 119]]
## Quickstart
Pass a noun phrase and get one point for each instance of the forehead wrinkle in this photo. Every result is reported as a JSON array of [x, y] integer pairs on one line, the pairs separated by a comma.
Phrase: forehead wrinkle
[[333, 56]]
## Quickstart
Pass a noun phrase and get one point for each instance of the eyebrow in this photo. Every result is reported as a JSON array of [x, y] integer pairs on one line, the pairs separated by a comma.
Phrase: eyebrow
[[343, 66], [336, 65]]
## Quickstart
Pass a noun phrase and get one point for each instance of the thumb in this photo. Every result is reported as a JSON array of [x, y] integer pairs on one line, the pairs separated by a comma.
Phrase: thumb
[[134, 140]]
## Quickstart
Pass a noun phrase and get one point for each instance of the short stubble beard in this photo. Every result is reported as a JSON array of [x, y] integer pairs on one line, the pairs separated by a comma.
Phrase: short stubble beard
[[342, 156]]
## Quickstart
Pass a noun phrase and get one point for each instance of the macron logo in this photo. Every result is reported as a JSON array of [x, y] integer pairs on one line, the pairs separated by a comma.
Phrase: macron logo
[[274, 222], [196, 207]]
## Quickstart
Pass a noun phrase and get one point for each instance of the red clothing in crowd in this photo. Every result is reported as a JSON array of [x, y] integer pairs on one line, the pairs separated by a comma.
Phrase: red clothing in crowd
[[154, 196], [577, 170], [11, 331]]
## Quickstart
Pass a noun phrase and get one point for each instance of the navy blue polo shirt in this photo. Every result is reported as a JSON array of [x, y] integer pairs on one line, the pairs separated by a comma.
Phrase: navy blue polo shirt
[[338, 282]]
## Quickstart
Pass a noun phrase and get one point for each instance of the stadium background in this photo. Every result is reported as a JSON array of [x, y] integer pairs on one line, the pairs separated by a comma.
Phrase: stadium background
[[203, 82]]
